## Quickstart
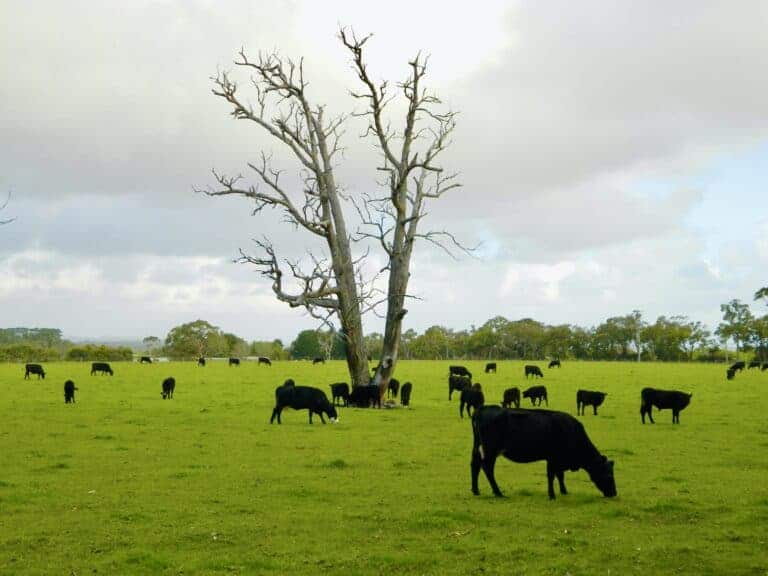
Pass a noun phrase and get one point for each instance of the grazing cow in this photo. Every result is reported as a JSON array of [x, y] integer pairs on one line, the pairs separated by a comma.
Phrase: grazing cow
[[531, 370], [340, 390], [663, 399], [754, 364], [318, 360], [201, 361], [740, 365], [536, 393], [457, 383], [234, 362], [264, 360], [554, 364], [303, 398], [531, 435], [169, 385], [511, 396], [102, 367], [730, 374], [145, 360], [586, 398], [490, 367], [471, 397], [764, 367], [365, 396], [405, 394], [69, 392], [34, 369], [459, 371], [393, 387]]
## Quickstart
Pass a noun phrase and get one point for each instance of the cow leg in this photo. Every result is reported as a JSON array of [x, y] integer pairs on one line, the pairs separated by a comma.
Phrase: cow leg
[[675, 417], [275, 413], [310, 415], [475, 466], [545, 400], [561, 481], [594, 409], [461, 409], [550, 480], [322, 419], [488, 464]]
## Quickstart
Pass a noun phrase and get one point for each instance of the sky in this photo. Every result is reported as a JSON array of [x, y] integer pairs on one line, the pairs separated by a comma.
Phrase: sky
[[613, 156]]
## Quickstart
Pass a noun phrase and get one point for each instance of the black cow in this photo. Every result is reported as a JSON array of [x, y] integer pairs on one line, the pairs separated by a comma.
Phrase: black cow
[[303, 398], [234, 362], [34, 369], [102, 367], [365, 396], [393, 387], [457, 383], [740, 365], [264, 360], [663, 399], [201, 361], [405, 394], [318, 360], [754, 364], [531, 435], [511, 396], [459, 371], [554, 364], [531, 370], [340, 390], [764, 367], [536, 393], [471, 397], [169, 385], [145, 360], [730, 374], [69, 392], [586, 398], [490, 367]]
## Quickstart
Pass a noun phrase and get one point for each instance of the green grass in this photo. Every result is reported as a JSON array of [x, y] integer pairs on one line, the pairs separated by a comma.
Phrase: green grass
[[126, 483]]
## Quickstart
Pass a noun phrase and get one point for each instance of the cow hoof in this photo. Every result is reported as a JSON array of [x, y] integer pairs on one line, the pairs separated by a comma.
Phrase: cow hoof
[[476, 492], [499, 495]]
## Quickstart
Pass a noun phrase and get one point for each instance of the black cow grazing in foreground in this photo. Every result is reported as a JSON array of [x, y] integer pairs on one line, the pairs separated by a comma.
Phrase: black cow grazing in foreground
[[536, 393], [318, 360], [340, 390], [145, 360], [471, 397], [34, 369], [554, 364], [234, 362], [102, 367], [531, 370], [459, 371], [457, 383], [405, 394], [531, 435], [754, 364], [303, 398], [201, 361], [264, 360], [730, 374], [393, 387], [69, 392], [169, 385], [365, 396], [740, 365], [511, 396], [586, 398], [490, 367], [663, 399]]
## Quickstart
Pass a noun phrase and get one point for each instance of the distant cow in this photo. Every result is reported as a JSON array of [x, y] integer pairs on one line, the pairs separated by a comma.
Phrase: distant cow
[[234, 362], [264, 360], [740, 365], [69, 392], [393, 387], [471, 397], [201, 361], [663, 399], [365, 396], [457, 383], [764, 367], [531, 435], [531, 370], [340, 390], [554, 364], [459, 371], [405, 394], [586, 398], [145, 360], [318, 360], [169, 385], [102, 367], [34, 369], [536, 393], [754, 364], [511, 396], [490, 367], [730, 374], [303, 398]]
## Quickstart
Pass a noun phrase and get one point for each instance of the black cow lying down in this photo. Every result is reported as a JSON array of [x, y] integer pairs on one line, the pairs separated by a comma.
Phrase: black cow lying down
[[365, 396], [169, 385], [69, 392], [586, 398], [663, 399], [531, 435], [303, 398], [471, 397]]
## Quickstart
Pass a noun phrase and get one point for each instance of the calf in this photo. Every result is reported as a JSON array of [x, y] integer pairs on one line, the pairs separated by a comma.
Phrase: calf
[[536, 393], [340, 390], [471, 397], [201, 361], [169, 385], [405, 394], [531, 435], [534, 371], [264, 360], [393, 387], [730, 374], [365, 396], [145, 360], [490, 367], [459, 371], [303, 398], [69, 392], [34, 369], [754, 364], [740, 365], [102, 367], [234, 362], [318, 360], [554, 364], [663, 399], [586, 398], [457, 383], [511, 396]]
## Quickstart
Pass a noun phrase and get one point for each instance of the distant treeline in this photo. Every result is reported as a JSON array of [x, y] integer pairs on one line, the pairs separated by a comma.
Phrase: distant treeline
[[47, 345]]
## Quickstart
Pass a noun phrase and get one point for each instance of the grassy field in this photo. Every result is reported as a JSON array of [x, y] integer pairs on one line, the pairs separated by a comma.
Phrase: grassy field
[[126, 483]]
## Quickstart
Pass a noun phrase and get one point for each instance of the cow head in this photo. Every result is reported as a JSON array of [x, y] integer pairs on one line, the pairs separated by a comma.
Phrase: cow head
[[602, 476], [332, 414]]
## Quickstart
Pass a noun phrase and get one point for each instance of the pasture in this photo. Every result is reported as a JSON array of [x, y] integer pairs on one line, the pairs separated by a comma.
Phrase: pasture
[[123, 482]]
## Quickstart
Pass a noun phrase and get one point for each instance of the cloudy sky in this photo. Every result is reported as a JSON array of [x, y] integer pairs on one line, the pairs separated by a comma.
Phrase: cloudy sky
[[613, 157]]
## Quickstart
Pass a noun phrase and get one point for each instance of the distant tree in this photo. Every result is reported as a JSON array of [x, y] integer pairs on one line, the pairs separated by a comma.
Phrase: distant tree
[[762, 294], [191, 339], [306, 345], [152, 343], [736, 326]]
